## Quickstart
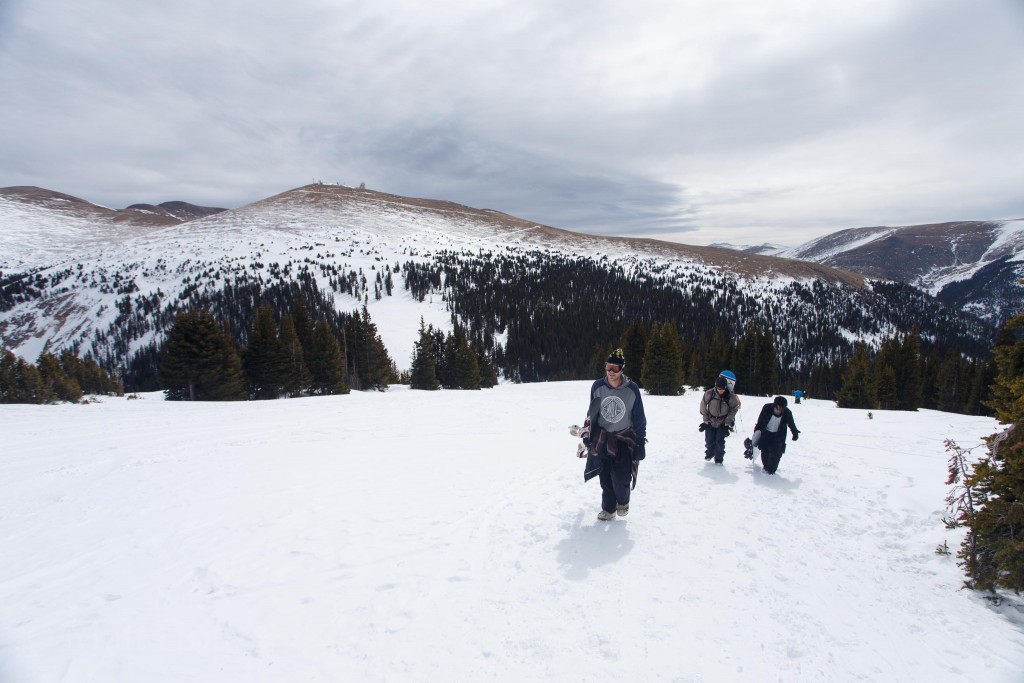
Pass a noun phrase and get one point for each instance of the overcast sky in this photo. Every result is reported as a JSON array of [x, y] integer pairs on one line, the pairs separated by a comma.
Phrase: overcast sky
[[693, 120]]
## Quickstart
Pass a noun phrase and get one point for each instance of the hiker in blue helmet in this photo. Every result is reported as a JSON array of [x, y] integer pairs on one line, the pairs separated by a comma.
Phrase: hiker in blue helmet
[[718, 409], [615, 433]]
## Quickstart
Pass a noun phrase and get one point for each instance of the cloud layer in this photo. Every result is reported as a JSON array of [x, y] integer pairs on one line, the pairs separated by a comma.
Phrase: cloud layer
[[712, 121]]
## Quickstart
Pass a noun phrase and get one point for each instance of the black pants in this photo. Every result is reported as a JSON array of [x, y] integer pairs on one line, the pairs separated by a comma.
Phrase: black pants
[[771, 453], [714, 442], [616, 476]]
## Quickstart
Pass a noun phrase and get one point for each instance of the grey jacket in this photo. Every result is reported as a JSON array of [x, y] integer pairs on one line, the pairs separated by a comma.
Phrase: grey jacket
[[719, 410]]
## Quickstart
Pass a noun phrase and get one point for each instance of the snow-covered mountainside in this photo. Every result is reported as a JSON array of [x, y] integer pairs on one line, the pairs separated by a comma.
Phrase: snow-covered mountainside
[[40, 228], [971, 265], [116, 299]]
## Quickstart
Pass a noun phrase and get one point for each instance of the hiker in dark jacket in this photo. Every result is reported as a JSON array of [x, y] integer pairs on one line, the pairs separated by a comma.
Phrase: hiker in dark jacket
[[770, 433], [614, 434], [718, 410]]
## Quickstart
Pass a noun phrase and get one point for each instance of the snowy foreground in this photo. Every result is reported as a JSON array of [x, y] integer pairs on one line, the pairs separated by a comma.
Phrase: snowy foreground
[[414, 536]]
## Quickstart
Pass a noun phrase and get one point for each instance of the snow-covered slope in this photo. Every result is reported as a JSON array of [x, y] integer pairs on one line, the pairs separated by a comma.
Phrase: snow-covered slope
[[324, 230], [39, 228], [384, 537]]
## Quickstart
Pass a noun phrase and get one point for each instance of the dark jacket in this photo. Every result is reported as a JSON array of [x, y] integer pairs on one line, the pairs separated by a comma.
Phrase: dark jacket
[[779, 437], [633, 433]]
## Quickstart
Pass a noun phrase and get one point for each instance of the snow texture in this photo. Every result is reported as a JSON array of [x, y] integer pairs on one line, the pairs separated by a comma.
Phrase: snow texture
[[386, 537]]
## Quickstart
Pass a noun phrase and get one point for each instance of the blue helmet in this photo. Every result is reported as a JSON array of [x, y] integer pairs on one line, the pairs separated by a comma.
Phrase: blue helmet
[[729, 377]]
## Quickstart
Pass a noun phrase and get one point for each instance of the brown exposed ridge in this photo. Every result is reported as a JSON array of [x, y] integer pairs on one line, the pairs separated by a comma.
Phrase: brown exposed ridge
[[741, 264], [31, 193], [69, 205]]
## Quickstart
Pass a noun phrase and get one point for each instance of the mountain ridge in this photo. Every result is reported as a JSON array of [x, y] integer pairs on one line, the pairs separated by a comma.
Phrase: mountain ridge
[[115, 300], [974, 266]]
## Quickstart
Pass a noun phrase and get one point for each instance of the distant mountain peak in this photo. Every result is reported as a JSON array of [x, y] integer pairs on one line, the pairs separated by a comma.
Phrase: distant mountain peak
[[970, 265], [766, 249]]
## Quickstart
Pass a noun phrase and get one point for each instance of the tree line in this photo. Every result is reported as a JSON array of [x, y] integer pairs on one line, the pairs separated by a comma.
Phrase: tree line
[[52, 378], [556, 314], [287, 356], [451, 361], [899, 376]]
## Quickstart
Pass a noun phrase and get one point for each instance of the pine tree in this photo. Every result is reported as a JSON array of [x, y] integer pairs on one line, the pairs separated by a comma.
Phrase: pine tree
[[911, 379], [31, 385], [768, 363], [91, 378], [465, 369], [58, 381], [424, 367], [747, 361], [303, 325], [228, 382], [327, 362], [21, 382], [298, 378], [266, 359], [992, 553], [718, 357], [369, 364], [946, 392], [663, 363], [885, 386], [858, 389], [199, 361], [634, 345], [442, 362], [1007, 391], [8, 383], [488, 372]]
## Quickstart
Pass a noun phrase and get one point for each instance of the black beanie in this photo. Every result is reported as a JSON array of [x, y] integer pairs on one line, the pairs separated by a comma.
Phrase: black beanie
[[617, 358]]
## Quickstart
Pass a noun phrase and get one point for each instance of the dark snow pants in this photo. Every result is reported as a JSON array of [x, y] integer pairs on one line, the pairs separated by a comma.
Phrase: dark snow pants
[[714, 442], [616, 476], [771, 453]]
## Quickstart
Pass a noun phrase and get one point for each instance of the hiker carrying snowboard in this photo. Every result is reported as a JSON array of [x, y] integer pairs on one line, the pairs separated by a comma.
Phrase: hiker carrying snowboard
[[770, 434], [615, 433], [718, 410]]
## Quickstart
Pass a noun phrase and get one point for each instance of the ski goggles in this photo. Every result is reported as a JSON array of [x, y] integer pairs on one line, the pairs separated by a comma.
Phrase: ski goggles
[[612, 368]]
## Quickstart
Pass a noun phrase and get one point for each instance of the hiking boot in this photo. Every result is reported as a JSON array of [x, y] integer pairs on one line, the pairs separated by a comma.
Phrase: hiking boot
[[708, 457], [749, 446], [622, 510], [605, 516]]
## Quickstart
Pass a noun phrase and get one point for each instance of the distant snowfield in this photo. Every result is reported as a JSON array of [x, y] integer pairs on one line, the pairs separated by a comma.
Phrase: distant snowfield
[[415, 536]]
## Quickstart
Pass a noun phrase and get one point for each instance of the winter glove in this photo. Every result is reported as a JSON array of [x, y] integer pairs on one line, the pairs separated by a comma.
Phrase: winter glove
[[640, 452], [796, 435], [703, 426]]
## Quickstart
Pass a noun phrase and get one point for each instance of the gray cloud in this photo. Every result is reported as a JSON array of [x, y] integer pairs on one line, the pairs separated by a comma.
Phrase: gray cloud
[[706, 121]]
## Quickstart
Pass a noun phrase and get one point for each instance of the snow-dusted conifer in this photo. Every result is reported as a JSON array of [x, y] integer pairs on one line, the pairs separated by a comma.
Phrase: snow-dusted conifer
[[266, 360], [327, 362], [424, 368]]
